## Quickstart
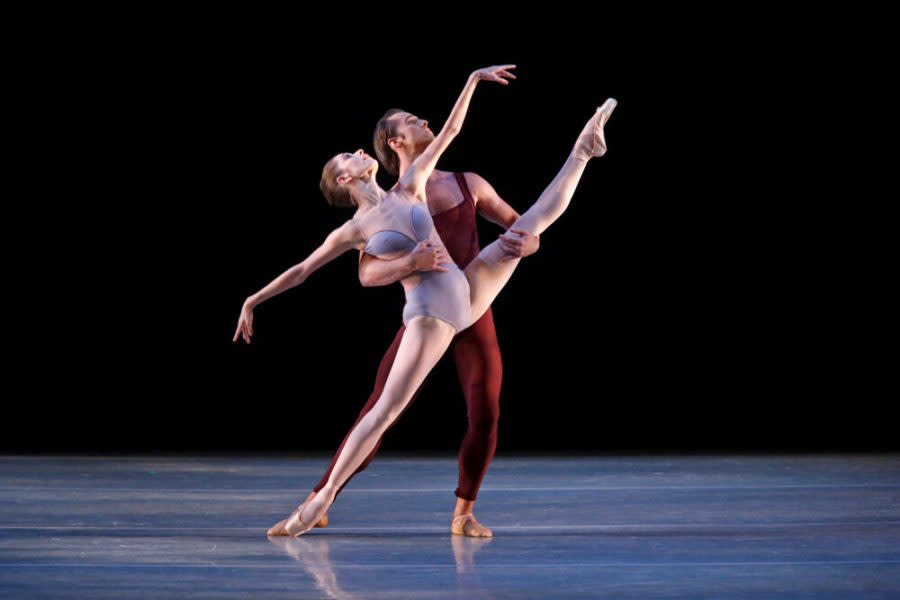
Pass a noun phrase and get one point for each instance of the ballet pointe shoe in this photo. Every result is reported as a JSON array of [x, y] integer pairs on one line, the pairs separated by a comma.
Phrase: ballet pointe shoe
[[307, 515], [591, 141], [280, 529]]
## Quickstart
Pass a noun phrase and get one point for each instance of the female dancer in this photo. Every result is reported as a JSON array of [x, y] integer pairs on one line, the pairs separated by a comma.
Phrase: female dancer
[[439, 303]]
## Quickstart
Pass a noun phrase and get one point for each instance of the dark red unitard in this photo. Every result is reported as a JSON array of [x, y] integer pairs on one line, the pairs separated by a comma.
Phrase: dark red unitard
[[477, 356]]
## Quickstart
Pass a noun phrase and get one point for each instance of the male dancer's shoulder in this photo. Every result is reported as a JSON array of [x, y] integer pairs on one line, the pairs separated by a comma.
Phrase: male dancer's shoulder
[[479, 188]]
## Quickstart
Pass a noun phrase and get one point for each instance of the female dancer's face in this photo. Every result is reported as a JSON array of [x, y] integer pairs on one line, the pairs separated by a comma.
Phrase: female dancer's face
[[355, 164]]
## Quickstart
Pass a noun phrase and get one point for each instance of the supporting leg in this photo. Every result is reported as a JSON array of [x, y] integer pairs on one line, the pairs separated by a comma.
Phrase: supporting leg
[[424, 342]]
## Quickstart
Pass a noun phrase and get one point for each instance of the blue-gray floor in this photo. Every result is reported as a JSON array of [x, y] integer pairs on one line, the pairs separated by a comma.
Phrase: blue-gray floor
[[605, 527]]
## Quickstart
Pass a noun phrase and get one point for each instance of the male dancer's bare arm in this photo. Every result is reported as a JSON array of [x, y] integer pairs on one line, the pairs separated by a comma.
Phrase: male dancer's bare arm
[[426, 256], [516, 244]]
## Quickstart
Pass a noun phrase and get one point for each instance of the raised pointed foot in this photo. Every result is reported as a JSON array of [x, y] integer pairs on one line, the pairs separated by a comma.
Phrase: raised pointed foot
[[592, 140], [466, 524]]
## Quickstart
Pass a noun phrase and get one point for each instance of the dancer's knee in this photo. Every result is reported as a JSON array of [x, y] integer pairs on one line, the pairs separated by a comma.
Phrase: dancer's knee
[[484, 422]]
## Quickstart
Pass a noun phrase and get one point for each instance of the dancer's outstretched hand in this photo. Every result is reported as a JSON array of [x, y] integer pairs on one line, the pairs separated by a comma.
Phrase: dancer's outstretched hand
[[245, 323], [495, 74], [428, 257]]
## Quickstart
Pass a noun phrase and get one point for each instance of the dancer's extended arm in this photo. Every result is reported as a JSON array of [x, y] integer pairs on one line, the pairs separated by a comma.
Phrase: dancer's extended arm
[[342, 239], [417, 174]]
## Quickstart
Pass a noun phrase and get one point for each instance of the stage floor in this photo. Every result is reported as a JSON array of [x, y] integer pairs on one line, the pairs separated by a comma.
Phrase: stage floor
[[643, 527]]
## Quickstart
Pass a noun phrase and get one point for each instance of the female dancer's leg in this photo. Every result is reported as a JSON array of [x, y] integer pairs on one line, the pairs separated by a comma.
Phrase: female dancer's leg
[[424, 342], [487, 274]]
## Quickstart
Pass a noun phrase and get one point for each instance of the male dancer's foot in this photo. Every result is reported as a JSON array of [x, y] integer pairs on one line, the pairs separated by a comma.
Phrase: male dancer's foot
[[280, 529], [591, 141], [465, 523]]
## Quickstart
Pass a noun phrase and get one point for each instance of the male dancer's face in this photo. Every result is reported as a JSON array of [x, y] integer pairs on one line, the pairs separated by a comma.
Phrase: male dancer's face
[[412, 130]]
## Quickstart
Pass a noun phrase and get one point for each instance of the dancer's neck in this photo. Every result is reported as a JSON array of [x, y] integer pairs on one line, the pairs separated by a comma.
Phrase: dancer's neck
[[367, 193]]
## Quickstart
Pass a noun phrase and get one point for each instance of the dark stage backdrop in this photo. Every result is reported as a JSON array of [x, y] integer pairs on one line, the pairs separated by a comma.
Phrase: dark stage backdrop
[[692, 298]]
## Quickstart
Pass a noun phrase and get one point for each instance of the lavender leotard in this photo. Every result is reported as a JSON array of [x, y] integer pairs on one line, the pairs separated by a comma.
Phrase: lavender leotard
[[444, 296]]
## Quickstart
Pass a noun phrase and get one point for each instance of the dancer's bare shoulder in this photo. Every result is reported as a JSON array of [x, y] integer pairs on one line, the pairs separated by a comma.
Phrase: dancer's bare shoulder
[[350, 234], [479, 187]]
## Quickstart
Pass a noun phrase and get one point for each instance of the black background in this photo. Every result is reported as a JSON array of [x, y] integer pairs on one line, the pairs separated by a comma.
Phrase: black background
[[704, 292]]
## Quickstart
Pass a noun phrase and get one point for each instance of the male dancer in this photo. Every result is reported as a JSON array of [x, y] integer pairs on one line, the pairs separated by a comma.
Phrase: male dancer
[[453, 199]]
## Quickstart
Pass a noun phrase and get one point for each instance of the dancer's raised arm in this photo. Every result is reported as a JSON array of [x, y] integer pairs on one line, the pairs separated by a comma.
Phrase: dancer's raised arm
[[415, 177], [344, 238]]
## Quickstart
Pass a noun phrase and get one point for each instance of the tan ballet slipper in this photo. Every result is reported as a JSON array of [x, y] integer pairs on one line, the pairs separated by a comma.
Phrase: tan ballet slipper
[[466, 524], [592, 141]]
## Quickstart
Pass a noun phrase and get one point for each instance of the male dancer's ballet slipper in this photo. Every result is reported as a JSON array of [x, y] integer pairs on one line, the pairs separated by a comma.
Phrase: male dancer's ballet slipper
[[458, 526], [591, 141]]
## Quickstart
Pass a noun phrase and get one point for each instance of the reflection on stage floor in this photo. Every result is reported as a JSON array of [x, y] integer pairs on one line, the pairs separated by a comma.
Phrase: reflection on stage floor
[[744, 526]]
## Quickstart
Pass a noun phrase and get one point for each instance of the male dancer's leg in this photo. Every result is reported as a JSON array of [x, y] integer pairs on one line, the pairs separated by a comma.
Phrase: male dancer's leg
[[480, 369]]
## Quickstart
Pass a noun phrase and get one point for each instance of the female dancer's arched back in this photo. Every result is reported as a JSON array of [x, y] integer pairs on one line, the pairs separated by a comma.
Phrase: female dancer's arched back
[[439, 303]]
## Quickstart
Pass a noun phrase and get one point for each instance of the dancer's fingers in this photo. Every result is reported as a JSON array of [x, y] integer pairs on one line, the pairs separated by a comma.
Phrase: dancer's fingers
[[510, 242], [509, 249]]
